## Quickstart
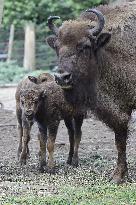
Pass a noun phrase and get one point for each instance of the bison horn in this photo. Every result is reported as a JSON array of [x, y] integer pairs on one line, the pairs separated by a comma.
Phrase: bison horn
[[95, 31], [50, 24]]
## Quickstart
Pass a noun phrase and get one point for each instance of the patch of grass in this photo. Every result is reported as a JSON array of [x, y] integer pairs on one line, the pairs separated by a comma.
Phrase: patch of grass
[[100, 193], [12, 73]]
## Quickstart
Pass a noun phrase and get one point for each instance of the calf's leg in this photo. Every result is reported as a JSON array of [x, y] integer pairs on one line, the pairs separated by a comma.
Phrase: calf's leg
[[53, 127], [42, 136], [25, 141], [20, 130]]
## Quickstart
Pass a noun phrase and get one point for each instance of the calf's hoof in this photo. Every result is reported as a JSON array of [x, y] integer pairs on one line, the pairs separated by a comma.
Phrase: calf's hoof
[[41, 169], [19, 153], [75, 162], [50, 170], [41, 166]]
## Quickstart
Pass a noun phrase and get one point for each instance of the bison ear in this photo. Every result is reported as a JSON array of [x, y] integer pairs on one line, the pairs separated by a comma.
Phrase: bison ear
[[44, 94], [51, 41], [103, 39], [32, 79]]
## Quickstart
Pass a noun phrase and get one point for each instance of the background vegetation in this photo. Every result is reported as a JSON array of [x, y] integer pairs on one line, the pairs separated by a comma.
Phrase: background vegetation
[[18, 12]]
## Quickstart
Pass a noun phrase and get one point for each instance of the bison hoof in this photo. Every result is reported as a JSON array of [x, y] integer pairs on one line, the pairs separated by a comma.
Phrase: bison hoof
[[75, 162], [118, 176], [50, 170], [41, 169], [69, 160], [41, 166], [22, 161]]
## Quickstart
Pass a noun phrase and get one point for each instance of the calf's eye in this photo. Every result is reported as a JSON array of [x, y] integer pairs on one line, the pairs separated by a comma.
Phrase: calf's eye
[[22, 102], [36, 101]]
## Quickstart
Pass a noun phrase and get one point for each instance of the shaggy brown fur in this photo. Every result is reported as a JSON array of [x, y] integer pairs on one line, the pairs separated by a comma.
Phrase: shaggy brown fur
[[48, 106], [24, 127], [102, 70]]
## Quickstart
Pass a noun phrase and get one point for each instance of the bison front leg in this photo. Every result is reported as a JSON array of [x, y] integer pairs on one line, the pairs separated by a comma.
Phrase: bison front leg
[[25, 141], [121, 169], [50, 145], [70, 127], [78, 133], [42, 136], [20, 131]]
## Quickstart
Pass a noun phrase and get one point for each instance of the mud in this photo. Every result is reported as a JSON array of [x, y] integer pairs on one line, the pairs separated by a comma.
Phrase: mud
[[97, 154]]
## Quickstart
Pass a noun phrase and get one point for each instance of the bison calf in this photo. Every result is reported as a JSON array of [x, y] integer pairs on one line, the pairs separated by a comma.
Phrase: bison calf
[[24, 126], [46, 105]]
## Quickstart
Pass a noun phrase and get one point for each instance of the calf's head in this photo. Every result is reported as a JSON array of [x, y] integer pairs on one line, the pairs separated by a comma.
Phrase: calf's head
[[30, 100], [77, 44], [42, 78]]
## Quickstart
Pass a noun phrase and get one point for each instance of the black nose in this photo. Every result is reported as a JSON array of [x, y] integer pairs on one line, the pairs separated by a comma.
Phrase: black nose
[[64, 78], [29, 114]]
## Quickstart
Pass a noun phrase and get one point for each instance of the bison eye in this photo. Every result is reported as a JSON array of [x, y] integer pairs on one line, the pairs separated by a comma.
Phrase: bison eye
[[36, 101], [80, 48], [43, 80], [83, 47], [22, 102]]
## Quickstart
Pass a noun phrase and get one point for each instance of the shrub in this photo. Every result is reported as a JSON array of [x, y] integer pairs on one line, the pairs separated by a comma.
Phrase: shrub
[[12, 73]]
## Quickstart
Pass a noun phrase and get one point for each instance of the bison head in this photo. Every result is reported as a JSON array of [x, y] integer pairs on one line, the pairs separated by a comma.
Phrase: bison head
[[42, 78], [30, 99], [77, 44]]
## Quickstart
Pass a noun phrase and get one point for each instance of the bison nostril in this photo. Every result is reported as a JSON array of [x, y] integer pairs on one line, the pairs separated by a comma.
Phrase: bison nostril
[[29, 114], [57, 77], [63, 79], [67, 76]]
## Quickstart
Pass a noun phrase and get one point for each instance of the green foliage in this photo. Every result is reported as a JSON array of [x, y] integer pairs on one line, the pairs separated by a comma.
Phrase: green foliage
[[45, 57], [9, 71], [12, 73], [19, 11]]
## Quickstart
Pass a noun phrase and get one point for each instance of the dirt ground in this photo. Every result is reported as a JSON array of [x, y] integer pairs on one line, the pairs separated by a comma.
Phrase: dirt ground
[[97, 151]]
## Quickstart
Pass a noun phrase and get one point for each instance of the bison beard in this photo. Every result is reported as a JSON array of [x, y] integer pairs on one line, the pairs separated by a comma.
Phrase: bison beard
[[101, 67]]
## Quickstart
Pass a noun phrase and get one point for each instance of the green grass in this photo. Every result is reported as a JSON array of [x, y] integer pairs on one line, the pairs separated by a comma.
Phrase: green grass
[[103, 194]]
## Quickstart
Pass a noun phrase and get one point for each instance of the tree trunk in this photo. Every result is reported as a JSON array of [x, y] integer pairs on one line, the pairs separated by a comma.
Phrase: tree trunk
[[29, 50], [1, 10], [10, 45]]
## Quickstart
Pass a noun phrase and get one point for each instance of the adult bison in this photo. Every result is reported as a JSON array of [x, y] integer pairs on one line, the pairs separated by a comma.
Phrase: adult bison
[[97, 68]]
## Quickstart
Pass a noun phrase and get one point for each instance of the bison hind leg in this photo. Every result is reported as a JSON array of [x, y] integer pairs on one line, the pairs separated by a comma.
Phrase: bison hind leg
[[121, 170]]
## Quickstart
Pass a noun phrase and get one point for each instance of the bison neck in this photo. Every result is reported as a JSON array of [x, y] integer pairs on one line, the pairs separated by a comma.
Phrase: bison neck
[[116, 77], [114, 89], [82, 95]]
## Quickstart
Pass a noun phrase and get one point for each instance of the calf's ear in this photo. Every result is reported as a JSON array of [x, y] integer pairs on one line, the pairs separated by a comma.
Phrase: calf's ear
[[22, 91], [32, 79], [103, 39], [51, 41]]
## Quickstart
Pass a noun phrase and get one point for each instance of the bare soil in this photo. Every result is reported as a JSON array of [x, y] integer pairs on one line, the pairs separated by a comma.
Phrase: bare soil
[[97, 154]]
